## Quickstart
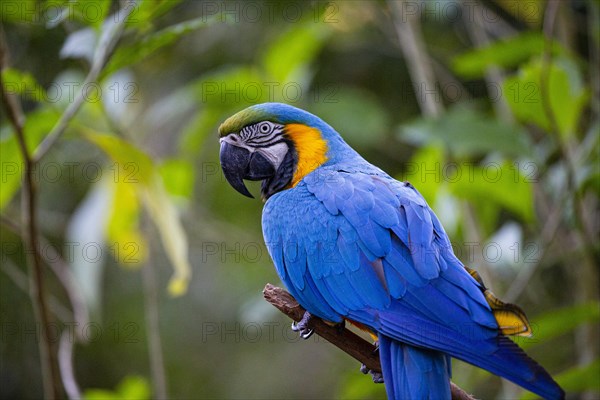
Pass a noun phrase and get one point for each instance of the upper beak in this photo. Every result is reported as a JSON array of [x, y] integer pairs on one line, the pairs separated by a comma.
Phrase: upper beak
[[239, 164]]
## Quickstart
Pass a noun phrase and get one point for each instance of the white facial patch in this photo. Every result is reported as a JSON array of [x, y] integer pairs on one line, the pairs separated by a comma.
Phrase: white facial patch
[[275, 153]]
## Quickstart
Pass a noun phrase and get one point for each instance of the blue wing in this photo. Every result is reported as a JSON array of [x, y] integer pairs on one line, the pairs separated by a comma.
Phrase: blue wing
[[369, 249]]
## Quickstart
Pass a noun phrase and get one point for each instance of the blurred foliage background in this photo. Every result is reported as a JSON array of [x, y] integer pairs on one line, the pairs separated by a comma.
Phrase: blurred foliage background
[[153, 266]]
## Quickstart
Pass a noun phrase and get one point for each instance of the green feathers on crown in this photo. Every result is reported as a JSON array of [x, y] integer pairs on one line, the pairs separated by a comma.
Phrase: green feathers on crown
[[245, 117]]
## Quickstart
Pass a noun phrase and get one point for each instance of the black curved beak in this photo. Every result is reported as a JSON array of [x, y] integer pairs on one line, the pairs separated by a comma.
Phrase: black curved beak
[[239, 164]]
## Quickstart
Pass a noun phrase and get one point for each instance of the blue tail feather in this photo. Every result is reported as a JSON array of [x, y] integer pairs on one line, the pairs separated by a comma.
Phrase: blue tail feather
[[413, 373], [499, 354]]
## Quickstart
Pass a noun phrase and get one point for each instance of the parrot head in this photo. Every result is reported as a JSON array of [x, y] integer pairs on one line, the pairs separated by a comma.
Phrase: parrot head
[[274, 143]]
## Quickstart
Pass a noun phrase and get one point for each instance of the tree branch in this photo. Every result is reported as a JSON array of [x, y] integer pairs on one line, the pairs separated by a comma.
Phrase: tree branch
[[345, 340], [155, 350], [415, 54], [48, 353], [49, 364]]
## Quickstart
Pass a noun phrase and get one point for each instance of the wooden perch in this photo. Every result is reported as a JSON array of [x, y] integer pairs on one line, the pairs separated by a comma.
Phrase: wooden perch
[[344, 339]]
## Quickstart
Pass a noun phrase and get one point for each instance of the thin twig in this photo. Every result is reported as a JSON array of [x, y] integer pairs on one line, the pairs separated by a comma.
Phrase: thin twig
[[549, 20], [417, 59], [494, 76], [49, 365], [345, 340], [157, 367], [65, 361], [21, 281], [101, 56], [594, 51], [47, 348]]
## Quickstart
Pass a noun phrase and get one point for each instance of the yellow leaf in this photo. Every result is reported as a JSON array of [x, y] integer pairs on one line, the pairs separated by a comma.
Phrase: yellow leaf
[[174, 239], [149, 191], [126, 242]]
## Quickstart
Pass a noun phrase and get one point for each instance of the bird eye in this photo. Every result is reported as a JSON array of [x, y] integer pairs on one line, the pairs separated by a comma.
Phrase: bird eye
[[264, 128]]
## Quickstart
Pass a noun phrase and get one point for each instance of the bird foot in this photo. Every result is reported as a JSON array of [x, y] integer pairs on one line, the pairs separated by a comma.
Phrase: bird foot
[[302, 326], [377, 376]]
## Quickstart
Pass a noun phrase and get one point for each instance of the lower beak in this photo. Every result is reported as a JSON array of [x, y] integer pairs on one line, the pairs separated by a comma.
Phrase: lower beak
[[239, 164]]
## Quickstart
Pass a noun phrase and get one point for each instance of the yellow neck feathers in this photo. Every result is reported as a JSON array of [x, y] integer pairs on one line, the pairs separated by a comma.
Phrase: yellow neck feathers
[[311, 149]]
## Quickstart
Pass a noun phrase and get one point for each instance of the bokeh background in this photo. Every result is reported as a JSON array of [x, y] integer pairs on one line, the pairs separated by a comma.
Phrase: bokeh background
[[154, 266]]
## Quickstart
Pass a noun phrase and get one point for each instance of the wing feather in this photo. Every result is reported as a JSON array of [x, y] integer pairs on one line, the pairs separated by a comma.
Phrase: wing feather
[[370, 243]]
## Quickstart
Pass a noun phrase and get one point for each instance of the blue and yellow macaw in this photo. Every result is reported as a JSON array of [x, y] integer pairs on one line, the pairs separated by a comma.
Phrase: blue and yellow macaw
[[353, 244]]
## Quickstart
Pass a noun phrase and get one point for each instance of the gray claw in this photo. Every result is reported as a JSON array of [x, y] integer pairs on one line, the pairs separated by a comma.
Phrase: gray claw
[[302, 326], [377, 377], [306, 335]]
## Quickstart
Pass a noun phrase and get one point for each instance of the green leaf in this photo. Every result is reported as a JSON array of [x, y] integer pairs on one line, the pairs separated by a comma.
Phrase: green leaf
[[487, 214], [294, 49], [530, 13], [134, 387], [178, 176], [22, 83], [506, 53], [24, 12], [588, 161], [89, 12], [37, 125], [140, 49], [466, 132], [499, 183], [130, 388], [11, 174], [558, 322], [95, 11], [145, 12], [100, 394], [567, 96]]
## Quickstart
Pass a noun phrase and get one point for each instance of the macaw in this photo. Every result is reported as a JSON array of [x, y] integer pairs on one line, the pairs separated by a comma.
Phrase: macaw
[[353, 244]]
